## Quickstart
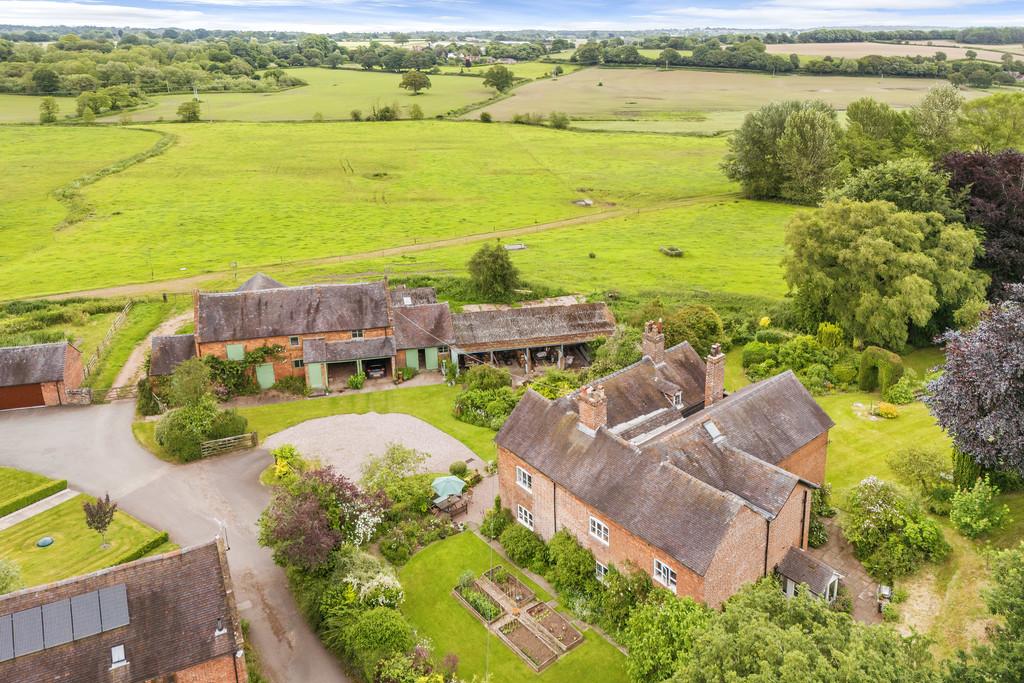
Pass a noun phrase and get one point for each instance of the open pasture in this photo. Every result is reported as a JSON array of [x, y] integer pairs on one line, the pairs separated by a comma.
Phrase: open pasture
[[264, 194], [529, 70], [334, 93], [814, 50], [618, 93], [25, 108]]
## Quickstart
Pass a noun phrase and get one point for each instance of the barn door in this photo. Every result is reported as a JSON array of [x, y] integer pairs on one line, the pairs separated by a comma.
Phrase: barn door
[[265, 375], [412, 358], [431, 358]]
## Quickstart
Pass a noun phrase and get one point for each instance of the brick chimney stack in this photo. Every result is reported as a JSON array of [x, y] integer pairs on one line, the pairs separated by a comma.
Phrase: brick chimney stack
[[654, 341], [714, 379], [593, 407]]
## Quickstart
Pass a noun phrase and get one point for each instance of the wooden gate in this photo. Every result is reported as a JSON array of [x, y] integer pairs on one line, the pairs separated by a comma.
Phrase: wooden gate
[[231, 443]]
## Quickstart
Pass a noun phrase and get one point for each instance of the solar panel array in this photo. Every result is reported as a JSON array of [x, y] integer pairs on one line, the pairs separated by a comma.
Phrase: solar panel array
[[60, 622]]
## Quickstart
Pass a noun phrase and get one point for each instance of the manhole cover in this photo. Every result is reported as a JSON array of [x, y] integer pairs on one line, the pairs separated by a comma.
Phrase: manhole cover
[[44, 542]]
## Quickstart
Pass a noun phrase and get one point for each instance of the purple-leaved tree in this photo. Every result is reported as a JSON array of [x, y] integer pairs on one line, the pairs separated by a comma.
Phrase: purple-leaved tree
[[979, 399]]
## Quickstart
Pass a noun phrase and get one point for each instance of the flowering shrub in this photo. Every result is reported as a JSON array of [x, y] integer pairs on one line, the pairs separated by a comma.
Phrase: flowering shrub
[[885, 410]]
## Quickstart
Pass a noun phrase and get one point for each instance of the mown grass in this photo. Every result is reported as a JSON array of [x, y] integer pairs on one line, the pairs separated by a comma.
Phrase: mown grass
[[428, 579], [142, 319], [76, 548], [432, 404], [13, 483], [227, 193], [334, 93]]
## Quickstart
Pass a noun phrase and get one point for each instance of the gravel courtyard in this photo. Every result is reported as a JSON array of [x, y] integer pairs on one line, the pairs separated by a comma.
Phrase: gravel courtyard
[[346, 441]]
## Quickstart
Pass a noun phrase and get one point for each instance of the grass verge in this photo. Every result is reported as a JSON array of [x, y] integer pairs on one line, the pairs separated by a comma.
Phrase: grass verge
[[142, 319], [19, 488], [428, 579]]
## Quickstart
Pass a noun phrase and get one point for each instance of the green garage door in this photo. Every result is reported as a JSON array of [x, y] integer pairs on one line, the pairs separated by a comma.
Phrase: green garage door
[[412, 358], [431, 359], [265, 375]]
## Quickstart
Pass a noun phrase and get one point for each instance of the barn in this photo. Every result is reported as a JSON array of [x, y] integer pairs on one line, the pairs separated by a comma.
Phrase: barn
[[38, 375]]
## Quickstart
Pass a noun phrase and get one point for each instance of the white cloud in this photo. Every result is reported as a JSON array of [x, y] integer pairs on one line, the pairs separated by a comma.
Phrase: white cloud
[[50, 12]]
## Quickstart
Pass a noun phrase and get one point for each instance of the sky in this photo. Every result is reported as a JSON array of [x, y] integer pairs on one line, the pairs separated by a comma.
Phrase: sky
[[397, 15]]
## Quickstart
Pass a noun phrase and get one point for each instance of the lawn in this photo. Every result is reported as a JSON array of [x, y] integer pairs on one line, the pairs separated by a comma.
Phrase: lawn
[[334, 93], [76, 549], [143, 318], [19, 489], [323, 190], [432, 404], [641, 93], [428, 579]]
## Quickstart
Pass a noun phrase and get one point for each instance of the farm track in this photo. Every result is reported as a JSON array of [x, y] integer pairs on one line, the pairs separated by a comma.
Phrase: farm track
[[189, 283]]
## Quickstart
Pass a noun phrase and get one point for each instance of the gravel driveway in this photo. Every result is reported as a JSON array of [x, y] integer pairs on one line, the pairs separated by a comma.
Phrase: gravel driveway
[[347, 441]]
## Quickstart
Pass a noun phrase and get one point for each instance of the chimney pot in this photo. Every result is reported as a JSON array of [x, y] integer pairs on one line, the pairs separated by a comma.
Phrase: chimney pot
[[654, 341], [593, 407]]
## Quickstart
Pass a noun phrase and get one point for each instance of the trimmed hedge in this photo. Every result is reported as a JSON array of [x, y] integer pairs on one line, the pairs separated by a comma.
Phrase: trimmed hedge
[[144, 549], [879, 369], [34, 496]]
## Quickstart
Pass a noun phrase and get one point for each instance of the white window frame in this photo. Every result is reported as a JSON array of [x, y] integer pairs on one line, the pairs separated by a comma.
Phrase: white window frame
[[117, 656], [599, 530], [298, 363], [677, 399], [524, 517], [524, 479], [665, 575], [294, 341], [357, 334], [600, 571]]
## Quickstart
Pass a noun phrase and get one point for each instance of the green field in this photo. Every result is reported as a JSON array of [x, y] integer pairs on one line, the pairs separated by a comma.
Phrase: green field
[[334, 93], [25, 108], [264, 194], [76, 549], [428, 580], [623, 93], [529, 70]]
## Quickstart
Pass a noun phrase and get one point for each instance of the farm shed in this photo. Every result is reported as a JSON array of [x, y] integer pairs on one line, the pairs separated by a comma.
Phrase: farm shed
[[329, 364], [169, 351], [530, 334], [38, 375], [423, 335]]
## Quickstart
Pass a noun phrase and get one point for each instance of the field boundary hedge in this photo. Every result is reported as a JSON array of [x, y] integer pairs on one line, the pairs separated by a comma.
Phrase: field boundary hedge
[[33, 496]]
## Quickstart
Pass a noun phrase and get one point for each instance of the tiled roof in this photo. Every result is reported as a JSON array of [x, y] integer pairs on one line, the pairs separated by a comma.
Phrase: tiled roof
[[169, 351], [32, 364], [291, 311], [413, 296], [319, 351], [174, 602], [258, 282], [800, 567], [418, 327], [510, 328]]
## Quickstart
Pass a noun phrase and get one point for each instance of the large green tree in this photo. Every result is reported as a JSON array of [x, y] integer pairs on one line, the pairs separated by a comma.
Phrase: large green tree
[[875, 132], [660, 633], [935, 120], [499, 77], [993, 123], [878, 271], [415, 81], [810, 154], [493, 273], [910, 184]]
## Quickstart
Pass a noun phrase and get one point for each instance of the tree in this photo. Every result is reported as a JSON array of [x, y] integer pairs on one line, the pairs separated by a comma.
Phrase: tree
[[619, 350], [190, 383], [48, 110], [878, 271], [589, 53], [979, 398], [976, 510], [993, 200], [927, 471], [500, 78], [810, 154], [374, 635], [698, 324], [386, 472], [45, 80], [188, 112], [415, 81], [98, 516], [875, 132], [10, 576], [493, 274], [910, 184], [661, 633], [935, 120], [993, 123]]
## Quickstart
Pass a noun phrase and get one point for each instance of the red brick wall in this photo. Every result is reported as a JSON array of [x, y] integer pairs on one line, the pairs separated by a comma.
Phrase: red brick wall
[[789, 528], [541, 502], [74, 373], [808, 461], [220, 670], [53, 393], [739, 558], [291, 353]]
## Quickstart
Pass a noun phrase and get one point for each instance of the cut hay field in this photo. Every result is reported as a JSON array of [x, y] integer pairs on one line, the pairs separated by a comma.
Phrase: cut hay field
[[641, 94], [884, 49], [265, 194], [25, 108], [529, 70], [1015, 48], [334, 93]]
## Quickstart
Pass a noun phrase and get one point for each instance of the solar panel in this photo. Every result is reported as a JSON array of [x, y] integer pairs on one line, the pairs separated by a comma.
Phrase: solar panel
[[57, 623], [85, 615], [6, 638], [114, 606], [28, 631]]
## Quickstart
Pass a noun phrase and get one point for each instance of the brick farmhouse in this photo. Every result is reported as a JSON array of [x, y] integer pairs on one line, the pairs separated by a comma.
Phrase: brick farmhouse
[[657, 467], [171, 617], [39, 375], [330, 332]]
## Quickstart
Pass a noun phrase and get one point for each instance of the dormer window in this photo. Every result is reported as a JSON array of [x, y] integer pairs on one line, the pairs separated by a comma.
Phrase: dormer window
[[677, 399], [712, 429]]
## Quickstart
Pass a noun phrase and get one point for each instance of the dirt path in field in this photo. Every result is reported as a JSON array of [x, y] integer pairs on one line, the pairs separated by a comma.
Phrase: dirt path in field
[[132, 370], [187, 284]]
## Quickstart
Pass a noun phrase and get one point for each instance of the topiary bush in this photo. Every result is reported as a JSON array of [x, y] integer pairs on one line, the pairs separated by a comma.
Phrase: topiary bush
[[524, 547], [879, 369], [772, 336]]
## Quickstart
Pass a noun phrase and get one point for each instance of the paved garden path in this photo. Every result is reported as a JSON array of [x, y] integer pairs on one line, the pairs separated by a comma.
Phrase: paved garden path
[[7, 521], [94, 450], [348, 441]]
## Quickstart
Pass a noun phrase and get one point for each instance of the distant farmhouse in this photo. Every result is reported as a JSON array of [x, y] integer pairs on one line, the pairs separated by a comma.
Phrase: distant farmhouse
[[330, 332], [657, 467], [38, 375], [171, 617]]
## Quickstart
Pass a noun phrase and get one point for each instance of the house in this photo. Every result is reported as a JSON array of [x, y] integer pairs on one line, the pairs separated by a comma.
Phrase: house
[[39, 375], [656, 466], [171, 617]]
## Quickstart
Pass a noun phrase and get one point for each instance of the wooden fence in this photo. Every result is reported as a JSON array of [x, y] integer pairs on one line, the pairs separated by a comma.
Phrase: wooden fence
[[102, 347], [231, 443]]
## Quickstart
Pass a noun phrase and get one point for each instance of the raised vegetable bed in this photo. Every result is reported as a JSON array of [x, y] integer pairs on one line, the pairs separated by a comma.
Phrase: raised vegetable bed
[[514, 589], [555, 624], [476, 600], [524, 641]]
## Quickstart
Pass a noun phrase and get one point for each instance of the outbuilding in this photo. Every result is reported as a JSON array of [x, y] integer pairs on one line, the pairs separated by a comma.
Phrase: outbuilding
[[38, 375]]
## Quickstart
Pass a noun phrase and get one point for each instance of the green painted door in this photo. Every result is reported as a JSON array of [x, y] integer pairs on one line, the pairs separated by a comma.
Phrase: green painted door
[[315, 375], [265, 375], [431, 359], [412, 358], [236, 351]]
